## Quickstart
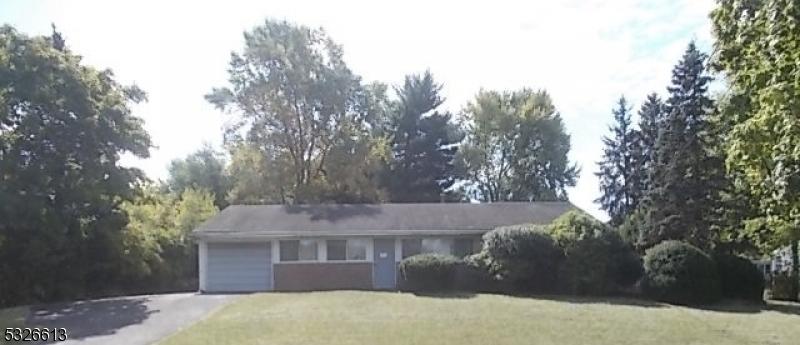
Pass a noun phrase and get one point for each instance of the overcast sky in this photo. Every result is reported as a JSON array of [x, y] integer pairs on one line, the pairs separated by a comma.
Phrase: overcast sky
[[585, 53]]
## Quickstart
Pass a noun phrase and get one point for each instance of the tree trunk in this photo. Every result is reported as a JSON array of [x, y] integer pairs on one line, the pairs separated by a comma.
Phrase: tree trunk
[[795, 276]]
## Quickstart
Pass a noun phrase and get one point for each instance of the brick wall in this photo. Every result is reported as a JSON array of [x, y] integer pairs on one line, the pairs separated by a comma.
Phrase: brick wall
[[323, 276]]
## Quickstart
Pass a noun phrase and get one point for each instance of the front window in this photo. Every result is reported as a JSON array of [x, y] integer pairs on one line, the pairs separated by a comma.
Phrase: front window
[[351, 250], [298, 250], [465, 246], [437, 245], [411, 247], [357, 249]]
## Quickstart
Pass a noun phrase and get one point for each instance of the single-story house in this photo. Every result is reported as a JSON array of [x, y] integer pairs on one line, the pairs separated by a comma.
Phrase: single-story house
[[341, 246]]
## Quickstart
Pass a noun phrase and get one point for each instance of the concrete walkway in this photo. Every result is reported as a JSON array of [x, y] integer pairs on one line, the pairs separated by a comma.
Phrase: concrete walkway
[[135, 320]]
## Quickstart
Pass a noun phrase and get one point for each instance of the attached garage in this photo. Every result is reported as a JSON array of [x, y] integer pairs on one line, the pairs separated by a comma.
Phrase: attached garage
[[238, 267]]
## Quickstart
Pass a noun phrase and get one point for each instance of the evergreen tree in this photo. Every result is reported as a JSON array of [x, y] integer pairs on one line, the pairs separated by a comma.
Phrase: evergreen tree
[[423, 143], [685, 177], [650, 116], [620, 191]]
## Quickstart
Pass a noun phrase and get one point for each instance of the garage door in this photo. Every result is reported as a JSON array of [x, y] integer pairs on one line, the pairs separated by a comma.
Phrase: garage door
[[238, 267]]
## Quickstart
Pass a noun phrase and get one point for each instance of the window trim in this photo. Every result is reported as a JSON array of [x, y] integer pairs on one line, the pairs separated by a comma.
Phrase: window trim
[[280, 245], [367, 242]]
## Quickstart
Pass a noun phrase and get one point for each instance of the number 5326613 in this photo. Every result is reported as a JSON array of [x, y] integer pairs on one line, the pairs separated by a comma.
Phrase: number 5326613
[[35, 334]]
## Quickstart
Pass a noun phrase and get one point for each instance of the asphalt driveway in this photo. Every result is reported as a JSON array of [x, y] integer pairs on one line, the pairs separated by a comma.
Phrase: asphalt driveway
[[131, 320]]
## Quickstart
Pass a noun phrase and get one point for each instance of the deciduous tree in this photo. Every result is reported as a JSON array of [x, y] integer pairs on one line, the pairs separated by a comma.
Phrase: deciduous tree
[[516, 148], [758, 48]]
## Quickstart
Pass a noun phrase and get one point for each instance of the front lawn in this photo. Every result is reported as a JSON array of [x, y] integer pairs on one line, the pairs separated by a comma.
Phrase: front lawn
[[10, 318], [386, 318]]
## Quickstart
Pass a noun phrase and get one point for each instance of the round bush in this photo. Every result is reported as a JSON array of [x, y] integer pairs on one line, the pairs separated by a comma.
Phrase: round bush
[[676, 272], [429, 272], [576, 225], [739, 278], [525, 257], [600, 265]]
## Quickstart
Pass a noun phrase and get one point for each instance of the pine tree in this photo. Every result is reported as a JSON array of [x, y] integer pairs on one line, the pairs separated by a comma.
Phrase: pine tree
[[650, 116], [423, 143], [620, 191], [685, 178]]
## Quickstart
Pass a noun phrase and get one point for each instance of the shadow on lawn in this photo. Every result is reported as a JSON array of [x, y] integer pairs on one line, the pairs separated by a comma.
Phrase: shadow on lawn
[[91, 318], [726, 306], [790, 308]]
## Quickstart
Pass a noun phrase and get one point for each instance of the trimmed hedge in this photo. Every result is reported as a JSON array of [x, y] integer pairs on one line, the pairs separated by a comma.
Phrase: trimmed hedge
[[429, 272], [739, 278], [600, 265], [525, 258], [680, 273]]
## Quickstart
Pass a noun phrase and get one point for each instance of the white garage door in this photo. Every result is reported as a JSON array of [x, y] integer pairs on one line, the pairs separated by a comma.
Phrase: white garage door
[[239, 267]]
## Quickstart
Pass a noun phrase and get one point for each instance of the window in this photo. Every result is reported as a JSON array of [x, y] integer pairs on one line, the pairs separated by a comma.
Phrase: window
[[302, 250], [308, 250], [337, 249], [411, 247], [354, 250], [357, 249], [437, 245], [464, 246], [289, 250]]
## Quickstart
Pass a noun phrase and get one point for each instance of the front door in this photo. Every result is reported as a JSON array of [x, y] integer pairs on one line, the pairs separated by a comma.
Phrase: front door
[[384, 268]]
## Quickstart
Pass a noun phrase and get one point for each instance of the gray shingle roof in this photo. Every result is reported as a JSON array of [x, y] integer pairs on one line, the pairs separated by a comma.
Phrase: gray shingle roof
[[365, 219]]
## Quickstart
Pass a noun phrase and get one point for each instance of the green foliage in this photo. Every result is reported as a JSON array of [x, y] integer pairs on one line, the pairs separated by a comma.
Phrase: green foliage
[[300, 108], [576, 225], [619, 189], [599, 266], [204, 169], [739, 278], [429, 272], [63, 128], [597, 261], [159, 255], [423, 143], [524, 257], [687, 176], [758, 49], [516, 148], [680, 273]]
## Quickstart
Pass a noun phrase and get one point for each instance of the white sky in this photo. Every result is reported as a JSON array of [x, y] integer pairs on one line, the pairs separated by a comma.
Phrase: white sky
[[585, 53]]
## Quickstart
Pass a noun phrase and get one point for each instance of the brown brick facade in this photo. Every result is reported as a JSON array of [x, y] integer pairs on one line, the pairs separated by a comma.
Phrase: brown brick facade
[[322, 276]]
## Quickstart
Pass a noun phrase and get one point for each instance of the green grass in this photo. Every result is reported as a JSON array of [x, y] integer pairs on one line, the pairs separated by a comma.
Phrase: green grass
[[12, 317], [385, 318]]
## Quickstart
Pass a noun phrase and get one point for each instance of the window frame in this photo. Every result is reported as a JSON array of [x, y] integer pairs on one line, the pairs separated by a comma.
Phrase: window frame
[[347, 250], [297, 254]]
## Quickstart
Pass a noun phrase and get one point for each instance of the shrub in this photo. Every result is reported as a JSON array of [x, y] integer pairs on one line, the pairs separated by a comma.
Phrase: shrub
[[525, 257], [599, 265], [680, 273], [576, 225], [429, 272], [473, 275], [739, 278], [781, 286]]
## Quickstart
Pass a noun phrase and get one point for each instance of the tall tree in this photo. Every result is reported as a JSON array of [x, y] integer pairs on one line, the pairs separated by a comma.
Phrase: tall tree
[[204, 169], [423, 143], [758, 49], [620, 191], [516, 148], [63, 127], [650, 117], [685, 179], [297, 103]]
